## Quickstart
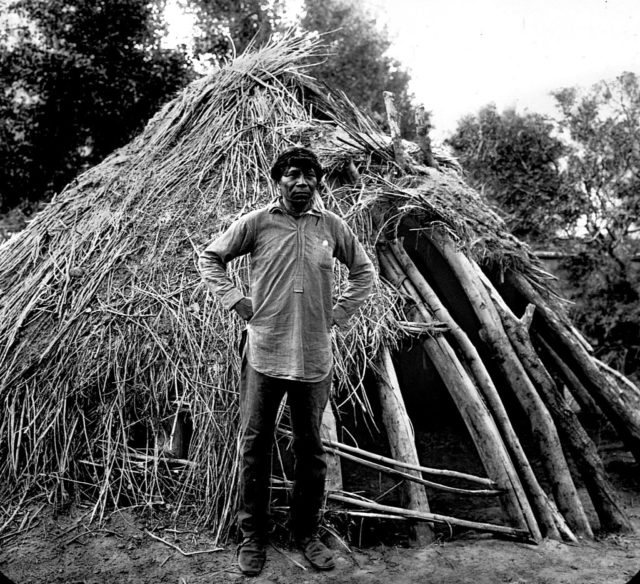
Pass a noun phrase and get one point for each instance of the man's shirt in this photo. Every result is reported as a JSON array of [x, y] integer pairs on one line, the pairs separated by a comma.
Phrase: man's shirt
[[291, 286]]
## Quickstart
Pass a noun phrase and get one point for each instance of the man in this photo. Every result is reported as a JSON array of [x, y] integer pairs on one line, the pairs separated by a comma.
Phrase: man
[[289, 315]]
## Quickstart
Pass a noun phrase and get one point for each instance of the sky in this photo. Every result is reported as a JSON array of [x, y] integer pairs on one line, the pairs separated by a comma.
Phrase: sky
[[464, 54]]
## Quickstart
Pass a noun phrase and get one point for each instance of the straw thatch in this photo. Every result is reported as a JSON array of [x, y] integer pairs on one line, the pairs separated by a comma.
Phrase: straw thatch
[[108, 337]]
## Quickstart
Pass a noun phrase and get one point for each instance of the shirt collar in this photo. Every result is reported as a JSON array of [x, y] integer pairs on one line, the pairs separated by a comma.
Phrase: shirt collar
[[277, 207]]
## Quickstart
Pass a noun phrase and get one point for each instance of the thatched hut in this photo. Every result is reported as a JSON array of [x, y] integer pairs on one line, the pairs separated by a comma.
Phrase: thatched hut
[[118, 371]]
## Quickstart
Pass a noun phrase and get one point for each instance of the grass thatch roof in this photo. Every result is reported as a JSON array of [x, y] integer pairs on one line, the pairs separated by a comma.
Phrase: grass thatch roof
[[106, 329]]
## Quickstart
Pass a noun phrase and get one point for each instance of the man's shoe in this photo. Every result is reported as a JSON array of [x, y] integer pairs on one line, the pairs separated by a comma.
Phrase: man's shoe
[[251, 556], [318, 554]]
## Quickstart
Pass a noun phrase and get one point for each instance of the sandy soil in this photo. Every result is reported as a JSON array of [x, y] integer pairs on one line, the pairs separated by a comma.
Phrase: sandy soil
[[67, 550]]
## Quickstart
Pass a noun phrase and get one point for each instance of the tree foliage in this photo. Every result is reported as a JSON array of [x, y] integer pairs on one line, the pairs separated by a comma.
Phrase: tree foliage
[[604, 165], [227, 27], [574, 185], [516, 160], [603, 124], [80, 78], [357, 62]]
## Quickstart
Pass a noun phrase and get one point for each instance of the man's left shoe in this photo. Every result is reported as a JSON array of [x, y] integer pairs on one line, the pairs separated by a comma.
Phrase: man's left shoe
[[251, 556], [318, 554]]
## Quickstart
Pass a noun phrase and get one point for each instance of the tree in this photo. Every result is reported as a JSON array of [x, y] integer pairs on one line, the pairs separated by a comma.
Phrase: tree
[[81, 78], [516, 160], [576, 185], [604, 165], [603, 124], [357, 62], [226, 27]]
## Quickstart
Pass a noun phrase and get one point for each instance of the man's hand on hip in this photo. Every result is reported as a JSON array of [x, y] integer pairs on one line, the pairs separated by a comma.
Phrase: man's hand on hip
[[244, 308]]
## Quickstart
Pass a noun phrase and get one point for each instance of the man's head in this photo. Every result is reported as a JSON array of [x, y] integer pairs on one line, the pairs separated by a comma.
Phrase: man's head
[[297, 172], [300, 157]]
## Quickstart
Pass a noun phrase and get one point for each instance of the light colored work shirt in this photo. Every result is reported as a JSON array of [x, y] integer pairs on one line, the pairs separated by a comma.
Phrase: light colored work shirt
[[291, 286]]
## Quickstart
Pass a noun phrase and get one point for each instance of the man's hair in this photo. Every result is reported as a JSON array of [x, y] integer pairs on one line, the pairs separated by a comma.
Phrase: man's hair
[[301, 157]]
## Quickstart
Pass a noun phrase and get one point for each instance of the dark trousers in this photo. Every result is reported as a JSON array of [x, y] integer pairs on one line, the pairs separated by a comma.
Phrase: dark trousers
[[260, 397]]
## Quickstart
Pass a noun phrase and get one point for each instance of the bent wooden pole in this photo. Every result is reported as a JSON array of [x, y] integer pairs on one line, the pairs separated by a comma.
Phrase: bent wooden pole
[[583, 450], [401, 438], [391, 471], [619, 403], [548, 517], [431, 517], [422, 469], [473, 410], [544, 430]]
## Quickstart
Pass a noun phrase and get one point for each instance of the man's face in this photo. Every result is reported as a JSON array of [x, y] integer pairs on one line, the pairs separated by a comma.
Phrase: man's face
[[297, 187]]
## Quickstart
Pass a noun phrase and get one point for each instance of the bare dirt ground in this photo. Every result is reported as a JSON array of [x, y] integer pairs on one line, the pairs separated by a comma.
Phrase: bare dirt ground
[[67, 550], [124, 548]]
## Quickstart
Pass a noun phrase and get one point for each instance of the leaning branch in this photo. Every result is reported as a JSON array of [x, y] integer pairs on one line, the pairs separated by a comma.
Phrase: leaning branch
[[409, 477], [432, 471], [433, 517]]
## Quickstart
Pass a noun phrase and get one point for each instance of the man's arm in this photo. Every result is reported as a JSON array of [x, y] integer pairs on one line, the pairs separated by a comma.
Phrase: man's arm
[[361, 274], [237, 240]]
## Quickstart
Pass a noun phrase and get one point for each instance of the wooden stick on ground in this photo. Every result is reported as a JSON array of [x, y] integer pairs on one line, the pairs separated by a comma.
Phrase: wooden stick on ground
[[175, 547]]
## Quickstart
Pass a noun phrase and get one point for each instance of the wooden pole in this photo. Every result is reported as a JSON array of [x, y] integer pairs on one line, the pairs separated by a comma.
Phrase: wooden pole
[[583, 450], [422, 469], [619, 377], [547, 516], [559, 366], [413, 477], [423, 126], [472, 408], [543, 428], [401, 439], [432, 517], [329, 431], [618, 402], [399, 152]]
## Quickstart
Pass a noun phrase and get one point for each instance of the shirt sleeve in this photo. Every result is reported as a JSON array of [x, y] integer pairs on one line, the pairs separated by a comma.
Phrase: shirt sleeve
[[237, 240], [351, 253]]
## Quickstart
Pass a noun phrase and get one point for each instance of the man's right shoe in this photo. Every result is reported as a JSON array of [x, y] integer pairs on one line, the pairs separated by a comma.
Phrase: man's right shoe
[[251, 556], [318, 554]]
